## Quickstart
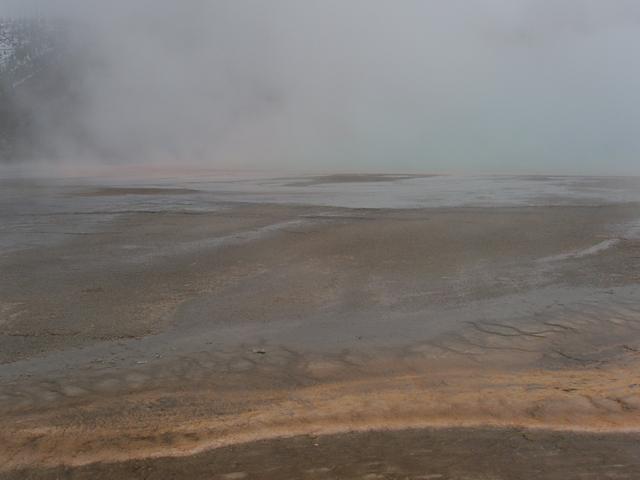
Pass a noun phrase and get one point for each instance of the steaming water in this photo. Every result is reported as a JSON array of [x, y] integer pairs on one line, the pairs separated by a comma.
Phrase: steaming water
[[39, 212]]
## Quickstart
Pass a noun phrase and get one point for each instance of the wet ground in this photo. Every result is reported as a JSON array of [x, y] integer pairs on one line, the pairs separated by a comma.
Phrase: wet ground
[[144, 320], [412, 454]]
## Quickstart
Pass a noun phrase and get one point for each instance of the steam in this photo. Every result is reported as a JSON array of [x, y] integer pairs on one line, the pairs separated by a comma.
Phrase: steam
[[458, 85]]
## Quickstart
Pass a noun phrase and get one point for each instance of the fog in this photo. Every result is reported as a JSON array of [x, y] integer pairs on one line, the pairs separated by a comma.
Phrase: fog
[[482, 86]]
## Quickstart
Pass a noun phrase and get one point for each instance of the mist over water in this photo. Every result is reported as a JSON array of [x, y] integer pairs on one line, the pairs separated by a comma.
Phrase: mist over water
[[363, 85]]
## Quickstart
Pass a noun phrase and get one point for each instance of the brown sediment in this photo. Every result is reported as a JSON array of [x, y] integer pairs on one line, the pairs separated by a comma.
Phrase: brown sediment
[[155, 338], [572, 400], [129, 279], [417, 454]]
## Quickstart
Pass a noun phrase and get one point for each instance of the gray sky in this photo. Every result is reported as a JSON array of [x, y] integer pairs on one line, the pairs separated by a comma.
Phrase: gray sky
[[479, 86]]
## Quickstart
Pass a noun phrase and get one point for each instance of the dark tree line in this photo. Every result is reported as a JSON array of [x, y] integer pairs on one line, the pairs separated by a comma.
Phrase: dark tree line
[[29, 57]]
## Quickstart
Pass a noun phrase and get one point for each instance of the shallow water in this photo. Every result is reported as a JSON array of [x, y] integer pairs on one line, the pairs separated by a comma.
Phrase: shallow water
[[151, 321], [41, 212], [433, 192]]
